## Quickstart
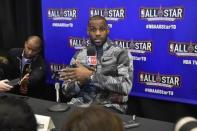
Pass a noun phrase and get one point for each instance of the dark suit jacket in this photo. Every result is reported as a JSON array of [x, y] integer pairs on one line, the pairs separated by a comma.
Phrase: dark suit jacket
[[37, 74]]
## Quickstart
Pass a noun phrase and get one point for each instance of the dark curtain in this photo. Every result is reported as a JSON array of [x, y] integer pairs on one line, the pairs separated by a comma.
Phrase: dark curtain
[[18, 20]]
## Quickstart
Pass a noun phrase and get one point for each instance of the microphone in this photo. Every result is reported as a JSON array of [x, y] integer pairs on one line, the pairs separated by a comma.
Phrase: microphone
[[57, 87], [186, 124], [91, 56], [58, 107]]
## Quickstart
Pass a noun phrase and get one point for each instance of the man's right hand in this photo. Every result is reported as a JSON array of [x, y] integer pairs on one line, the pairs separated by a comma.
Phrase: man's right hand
[[4, 86]]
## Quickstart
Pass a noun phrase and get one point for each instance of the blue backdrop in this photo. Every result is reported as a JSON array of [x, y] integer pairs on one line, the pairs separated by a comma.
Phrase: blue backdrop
[[160, 34]]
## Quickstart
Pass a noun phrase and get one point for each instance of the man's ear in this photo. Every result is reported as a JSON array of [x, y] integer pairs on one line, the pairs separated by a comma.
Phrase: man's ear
[[88, 33], [25, 44], [107, 30], [39, 50]]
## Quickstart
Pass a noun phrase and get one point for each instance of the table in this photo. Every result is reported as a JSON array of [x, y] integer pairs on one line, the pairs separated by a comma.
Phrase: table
[[40, 107]]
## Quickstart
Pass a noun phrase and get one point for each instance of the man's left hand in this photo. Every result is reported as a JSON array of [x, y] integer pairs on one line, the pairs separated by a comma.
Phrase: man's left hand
[[23, 84], [80, 73]]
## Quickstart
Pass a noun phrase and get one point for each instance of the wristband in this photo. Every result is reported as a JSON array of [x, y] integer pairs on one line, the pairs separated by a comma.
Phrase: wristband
[[92, 77]]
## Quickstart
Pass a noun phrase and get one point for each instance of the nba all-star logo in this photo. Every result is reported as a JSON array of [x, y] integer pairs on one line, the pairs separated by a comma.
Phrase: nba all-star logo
[[62, 14], [161, 13], [112, 14], [55, 68], [78, 43], [159, 80], [183, 48], [135, 46]]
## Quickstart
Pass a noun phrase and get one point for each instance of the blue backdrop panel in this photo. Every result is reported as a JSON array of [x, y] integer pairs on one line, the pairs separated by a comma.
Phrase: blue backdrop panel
[[160, 34]]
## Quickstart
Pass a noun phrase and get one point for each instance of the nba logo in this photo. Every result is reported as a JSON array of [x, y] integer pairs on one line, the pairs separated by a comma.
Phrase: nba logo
[[91, 60]]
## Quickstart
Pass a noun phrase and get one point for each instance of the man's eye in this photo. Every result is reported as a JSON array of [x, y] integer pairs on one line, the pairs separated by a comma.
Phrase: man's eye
[[93, 29], [102, 29]]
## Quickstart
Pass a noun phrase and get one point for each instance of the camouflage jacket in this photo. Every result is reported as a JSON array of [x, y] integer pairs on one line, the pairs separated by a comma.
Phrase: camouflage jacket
[[111, 83]]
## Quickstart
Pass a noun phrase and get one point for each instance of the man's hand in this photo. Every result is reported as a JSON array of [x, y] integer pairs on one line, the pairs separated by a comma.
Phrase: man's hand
[[4, 86], [80, 73], [23, 84], [3, 60]]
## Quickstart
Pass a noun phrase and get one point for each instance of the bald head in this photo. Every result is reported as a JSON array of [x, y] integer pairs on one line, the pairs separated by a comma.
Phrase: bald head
[[36, 40], [32, 46]]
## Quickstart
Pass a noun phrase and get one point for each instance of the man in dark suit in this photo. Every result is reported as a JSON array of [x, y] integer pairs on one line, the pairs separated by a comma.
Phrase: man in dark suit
[[28, 64]]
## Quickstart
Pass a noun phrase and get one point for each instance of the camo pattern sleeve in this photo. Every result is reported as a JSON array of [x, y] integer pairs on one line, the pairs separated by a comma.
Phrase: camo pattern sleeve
[[116, 73]]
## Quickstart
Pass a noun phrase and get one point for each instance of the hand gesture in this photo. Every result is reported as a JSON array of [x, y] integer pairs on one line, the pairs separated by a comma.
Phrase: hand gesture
[[4, 86], [80, 73], [23, 84]]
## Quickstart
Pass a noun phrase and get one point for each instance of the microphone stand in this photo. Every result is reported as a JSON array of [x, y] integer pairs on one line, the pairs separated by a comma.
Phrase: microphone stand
[[58, 107]]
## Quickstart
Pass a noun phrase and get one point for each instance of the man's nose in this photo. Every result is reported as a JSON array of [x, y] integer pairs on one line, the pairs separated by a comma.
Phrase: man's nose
[[98, 33]]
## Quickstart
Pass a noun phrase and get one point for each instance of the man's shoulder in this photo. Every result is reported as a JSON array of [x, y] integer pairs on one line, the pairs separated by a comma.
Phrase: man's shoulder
[[39, 57], [15, 51], [39, 60], [113, 45], [116, 48], [82, 51]]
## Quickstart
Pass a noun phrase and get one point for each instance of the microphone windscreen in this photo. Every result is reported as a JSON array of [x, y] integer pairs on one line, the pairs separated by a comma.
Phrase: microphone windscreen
[[91, 56], [91, 51], [57, 86], [186, 124]]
